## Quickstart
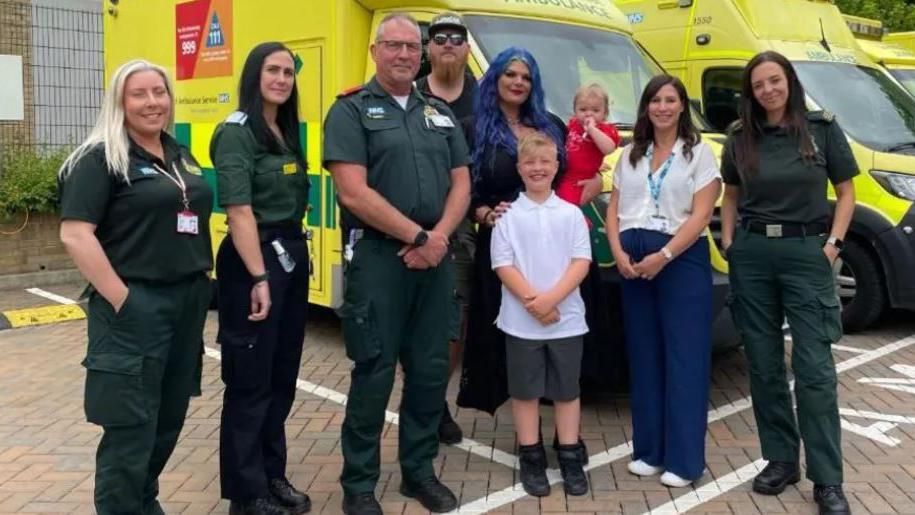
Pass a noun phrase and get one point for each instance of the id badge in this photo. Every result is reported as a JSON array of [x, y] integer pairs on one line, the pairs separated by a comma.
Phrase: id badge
[[659, 223], [187, 222], [440, 120]]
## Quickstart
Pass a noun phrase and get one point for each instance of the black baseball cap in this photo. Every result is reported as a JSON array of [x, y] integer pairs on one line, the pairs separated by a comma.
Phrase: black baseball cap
[[447, 20]]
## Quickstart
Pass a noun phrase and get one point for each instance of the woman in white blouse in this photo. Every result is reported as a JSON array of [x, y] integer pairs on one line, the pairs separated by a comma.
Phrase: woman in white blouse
[[664, 190]]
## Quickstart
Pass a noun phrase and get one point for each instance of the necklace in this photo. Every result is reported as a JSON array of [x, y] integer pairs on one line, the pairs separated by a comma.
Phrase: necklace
[[513, 123]]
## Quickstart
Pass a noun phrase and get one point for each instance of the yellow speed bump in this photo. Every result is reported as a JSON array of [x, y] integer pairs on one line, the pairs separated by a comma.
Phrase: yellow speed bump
[[44, 315]]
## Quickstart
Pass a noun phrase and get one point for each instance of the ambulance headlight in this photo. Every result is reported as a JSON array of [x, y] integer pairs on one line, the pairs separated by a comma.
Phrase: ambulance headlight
[[897, 184]]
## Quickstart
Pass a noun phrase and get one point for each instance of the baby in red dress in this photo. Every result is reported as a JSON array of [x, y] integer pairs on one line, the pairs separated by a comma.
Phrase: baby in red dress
[[591, 137]]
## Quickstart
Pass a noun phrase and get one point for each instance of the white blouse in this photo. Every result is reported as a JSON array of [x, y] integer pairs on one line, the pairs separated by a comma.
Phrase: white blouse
[[675, 201]]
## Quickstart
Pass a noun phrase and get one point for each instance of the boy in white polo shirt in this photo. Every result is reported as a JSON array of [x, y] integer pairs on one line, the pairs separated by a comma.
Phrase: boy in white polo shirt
[[541, 252]]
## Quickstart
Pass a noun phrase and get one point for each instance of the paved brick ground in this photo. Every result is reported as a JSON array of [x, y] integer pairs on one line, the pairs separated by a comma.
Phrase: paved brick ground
[[46, 448]]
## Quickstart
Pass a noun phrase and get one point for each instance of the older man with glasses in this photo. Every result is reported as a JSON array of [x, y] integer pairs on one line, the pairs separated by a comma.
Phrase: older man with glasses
[[399, 163]]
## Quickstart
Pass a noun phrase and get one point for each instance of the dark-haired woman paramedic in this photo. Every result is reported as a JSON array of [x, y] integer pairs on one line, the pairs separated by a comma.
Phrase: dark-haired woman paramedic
[[263, 271]]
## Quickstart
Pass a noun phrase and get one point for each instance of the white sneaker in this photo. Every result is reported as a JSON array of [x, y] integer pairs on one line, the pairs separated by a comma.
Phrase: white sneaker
[[672, 480], [640, 468]]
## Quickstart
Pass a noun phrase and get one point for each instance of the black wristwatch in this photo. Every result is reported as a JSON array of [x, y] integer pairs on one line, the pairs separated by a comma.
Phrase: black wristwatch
[[836, 242], [421, 238], [256, 279]]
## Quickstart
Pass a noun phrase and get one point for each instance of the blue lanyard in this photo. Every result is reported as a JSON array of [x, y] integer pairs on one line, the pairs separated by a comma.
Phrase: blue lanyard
[[654, 187]]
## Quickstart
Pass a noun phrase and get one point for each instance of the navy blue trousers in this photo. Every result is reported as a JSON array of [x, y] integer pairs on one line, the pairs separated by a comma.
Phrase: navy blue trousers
[[668, 323]]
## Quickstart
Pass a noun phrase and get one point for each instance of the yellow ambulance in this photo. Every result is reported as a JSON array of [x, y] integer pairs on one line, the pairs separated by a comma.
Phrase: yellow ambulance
[[898, 60], [903, 39], [708, 42], [204, 43]]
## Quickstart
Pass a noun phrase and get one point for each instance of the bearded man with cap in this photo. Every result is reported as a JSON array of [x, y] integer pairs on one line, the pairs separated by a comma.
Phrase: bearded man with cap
[[452, 82]]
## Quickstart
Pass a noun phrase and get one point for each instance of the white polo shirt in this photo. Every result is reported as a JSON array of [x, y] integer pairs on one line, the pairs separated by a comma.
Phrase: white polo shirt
[[683, 180], [540, 240]]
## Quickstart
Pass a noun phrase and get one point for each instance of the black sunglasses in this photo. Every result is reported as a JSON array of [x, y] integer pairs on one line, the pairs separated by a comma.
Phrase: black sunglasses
[[441, 39]]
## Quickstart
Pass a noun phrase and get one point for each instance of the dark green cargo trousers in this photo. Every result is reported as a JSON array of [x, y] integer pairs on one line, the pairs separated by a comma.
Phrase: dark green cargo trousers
[[773, 279], [391, 313], [142, 366]]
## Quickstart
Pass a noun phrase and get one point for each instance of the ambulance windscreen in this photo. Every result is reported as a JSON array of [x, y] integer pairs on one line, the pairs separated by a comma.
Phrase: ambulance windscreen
[[871, 108], [570, 56]]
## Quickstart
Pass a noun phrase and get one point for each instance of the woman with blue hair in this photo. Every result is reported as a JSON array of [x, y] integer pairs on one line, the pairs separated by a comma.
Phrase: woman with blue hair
[[509, 106]]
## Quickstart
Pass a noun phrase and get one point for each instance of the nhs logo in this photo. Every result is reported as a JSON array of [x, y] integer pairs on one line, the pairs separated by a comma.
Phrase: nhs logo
[[216, 37], [636, 18]]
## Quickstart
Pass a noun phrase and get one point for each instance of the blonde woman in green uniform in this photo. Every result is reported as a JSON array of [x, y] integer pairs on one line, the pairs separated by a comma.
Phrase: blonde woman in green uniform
[[134, 217], [263, 269], [781, 245]]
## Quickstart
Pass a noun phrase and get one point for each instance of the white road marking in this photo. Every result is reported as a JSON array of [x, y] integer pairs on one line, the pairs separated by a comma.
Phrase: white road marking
[[687, 499], [847, 348], [696, 497], [50, 296], [467, 444]]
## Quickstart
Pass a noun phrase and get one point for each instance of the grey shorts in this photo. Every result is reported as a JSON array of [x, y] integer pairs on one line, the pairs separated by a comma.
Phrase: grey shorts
[[543, 368]]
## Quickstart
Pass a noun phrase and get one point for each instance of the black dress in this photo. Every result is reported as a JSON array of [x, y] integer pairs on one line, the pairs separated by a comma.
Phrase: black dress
[[483, 376]]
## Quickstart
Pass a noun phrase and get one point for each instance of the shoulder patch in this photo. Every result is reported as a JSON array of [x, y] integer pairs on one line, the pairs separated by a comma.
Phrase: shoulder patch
[[735, 126], [238, 118], [821, 116], [351, 91]]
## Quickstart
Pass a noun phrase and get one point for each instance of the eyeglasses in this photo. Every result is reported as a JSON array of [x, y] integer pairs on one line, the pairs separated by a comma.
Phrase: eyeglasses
[[396, 46], [441, 39]]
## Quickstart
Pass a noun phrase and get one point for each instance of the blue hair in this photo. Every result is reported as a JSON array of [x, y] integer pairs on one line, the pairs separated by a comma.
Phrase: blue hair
[[490, 125]]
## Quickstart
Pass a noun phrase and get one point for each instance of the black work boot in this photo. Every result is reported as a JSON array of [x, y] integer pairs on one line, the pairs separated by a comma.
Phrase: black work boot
[[262, 506], [583, 450], [575, 481], [776, 476], [286, 495], [533, 470], [449, 432], [831, 500], [361, 504], [431, 493]]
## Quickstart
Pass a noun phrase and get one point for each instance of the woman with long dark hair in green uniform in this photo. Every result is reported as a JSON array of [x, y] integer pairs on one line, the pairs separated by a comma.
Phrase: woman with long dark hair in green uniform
[[135, 219], [263, 270], [776, 163]]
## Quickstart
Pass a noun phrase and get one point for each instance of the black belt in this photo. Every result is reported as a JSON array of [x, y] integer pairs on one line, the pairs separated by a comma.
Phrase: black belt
[[785, 229], [287, 230]]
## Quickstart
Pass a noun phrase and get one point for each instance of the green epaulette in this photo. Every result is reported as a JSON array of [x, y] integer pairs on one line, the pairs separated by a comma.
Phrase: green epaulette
[[735, 126], [238, 118], [821, 116]]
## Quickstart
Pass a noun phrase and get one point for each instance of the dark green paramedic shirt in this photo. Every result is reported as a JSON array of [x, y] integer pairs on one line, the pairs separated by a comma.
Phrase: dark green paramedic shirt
[[408, 154], [274, 185], [786, 188], [136, 223]]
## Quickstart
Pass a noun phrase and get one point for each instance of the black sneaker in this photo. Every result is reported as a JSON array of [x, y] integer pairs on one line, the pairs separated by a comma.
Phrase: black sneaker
[[831, 500], [361, 504], [449, 433], [262, 506], [532, 459], [431, 493], [286, 494], [776, 476], [575, 481]]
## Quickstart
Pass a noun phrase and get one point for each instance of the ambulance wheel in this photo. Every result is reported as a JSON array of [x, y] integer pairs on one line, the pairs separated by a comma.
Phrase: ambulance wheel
[[859, 281]]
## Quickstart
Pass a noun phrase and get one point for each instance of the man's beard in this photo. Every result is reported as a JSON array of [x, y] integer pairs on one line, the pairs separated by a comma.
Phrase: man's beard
[[448, 71]]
